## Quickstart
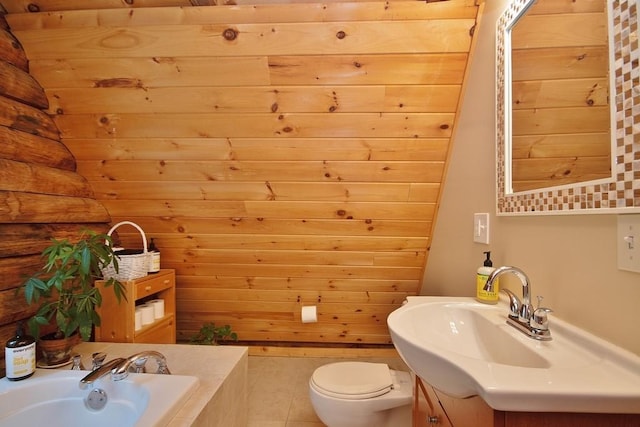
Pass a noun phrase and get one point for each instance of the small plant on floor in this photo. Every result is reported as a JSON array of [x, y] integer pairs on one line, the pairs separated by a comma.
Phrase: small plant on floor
[[210, 334]]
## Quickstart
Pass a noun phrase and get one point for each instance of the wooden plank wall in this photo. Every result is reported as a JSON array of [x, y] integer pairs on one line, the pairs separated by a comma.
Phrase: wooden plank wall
[[41, 195], [281, 155], [560, 99]]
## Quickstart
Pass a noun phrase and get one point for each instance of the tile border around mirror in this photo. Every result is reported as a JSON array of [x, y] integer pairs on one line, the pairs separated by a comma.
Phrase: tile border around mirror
[[618, 195]]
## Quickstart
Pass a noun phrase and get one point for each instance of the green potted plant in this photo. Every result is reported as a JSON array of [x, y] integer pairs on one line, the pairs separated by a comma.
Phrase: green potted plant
[[65, 289], [210, 334]]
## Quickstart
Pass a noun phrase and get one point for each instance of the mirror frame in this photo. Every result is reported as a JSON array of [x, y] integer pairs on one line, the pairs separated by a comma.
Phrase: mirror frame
[[621, 192]]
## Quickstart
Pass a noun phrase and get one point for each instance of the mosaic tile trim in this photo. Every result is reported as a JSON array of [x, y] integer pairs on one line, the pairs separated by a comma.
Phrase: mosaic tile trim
[[624, 190]]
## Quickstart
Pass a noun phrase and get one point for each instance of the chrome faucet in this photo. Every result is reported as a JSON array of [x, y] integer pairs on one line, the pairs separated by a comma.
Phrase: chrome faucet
[[137, 362], [521, 314], [119, 367], [526, 309], [96, 374]]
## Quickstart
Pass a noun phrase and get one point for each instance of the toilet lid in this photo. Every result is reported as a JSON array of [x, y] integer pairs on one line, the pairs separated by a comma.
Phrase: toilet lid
[[353, 380]]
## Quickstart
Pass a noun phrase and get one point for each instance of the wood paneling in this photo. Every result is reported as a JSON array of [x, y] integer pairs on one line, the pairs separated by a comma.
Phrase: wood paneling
[[280, 154]]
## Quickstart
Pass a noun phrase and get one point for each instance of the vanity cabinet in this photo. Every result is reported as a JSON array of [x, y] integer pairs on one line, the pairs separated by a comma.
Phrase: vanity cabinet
[[432, 408], [118, 320], [426, 407]]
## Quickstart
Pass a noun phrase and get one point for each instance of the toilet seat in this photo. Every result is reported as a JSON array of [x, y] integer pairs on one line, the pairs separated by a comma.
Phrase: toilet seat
[[353, 380]]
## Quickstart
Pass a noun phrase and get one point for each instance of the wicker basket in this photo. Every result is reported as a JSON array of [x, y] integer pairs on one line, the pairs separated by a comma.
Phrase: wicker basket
[[130, 267]]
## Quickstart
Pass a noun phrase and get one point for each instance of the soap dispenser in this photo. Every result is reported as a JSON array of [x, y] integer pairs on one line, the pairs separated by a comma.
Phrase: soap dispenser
[[487, 296], [20, 355]]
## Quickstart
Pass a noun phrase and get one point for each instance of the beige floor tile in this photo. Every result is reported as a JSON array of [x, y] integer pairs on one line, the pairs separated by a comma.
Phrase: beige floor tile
[[279, 390]]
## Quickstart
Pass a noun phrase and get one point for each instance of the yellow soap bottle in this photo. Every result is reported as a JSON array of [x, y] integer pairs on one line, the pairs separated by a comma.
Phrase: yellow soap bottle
[[487, 296]]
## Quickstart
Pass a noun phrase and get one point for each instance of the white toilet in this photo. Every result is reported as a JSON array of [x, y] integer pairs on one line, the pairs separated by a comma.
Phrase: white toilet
[[361, 394]]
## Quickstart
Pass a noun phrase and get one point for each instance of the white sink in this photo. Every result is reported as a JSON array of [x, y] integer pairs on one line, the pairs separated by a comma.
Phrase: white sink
[[464, 348], [53, 398]]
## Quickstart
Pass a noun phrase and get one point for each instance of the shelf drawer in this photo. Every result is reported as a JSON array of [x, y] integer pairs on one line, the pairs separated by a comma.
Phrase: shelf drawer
[[150, 286]]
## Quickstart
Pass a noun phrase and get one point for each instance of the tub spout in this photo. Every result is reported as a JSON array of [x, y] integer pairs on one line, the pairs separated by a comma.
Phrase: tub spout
[[100, 372]]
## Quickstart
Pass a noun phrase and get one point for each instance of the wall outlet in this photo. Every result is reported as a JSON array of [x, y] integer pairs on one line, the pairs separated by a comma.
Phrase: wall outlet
[[481, 228], [628, 242]]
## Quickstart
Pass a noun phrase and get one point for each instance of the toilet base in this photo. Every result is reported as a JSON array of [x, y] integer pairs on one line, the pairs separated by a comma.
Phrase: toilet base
[[392, 409], [397, 417]]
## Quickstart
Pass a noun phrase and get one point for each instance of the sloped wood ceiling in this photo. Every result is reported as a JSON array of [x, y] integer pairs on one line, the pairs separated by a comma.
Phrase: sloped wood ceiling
[[281, 155]]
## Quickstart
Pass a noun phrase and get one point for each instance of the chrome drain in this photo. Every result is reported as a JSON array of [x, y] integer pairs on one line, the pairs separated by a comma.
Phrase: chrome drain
[[96, 400]]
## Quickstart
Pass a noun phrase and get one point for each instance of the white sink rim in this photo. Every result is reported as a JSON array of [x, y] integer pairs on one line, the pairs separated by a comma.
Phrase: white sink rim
[[601, 377], [164, 394]]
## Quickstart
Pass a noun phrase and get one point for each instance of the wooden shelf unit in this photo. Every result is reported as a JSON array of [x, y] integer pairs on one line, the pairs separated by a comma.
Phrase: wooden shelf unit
[[118, 320]]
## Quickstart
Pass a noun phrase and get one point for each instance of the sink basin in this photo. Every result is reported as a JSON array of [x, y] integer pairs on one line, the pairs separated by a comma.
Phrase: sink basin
[[464, 348], [473, 333], [54, 398]]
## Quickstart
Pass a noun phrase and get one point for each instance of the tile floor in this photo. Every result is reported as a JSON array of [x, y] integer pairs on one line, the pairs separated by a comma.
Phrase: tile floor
[[278, 389]]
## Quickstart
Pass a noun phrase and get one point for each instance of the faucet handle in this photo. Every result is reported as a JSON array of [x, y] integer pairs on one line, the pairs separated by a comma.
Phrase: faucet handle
[[138, 366], [514, 303], [77, 363], [97, 359], [539, 319]]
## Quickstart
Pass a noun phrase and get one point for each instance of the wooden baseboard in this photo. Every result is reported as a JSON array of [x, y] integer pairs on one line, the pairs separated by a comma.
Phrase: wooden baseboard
[[328, 351]]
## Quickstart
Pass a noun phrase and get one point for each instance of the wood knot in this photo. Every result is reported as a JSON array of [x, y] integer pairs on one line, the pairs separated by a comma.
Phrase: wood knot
[[104, 120], [341, 35], [129, 2], [230, 34], [31, 7], [341, 212], [444, 126]]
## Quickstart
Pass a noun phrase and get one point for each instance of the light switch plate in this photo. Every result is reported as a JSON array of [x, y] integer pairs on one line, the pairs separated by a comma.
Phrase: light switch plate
[[481, 228], [628, 242]]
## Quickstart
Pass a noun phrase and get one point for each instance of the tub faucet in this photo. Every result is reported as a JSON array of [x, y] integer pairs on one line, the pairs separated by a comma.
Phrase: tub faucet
[[137, 361], [119, 367], [96, 374], [521, 314]]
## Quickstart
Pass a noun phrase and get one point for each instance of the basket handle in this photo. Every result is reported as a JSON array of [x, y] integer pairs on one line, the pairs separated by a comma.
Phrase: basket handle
[[144, 238]]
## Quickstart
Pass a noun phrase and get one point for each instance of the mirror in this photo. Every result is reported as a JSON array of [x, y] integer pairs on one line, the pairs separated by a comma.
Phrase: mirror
[[565, 109], [560, 118]]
